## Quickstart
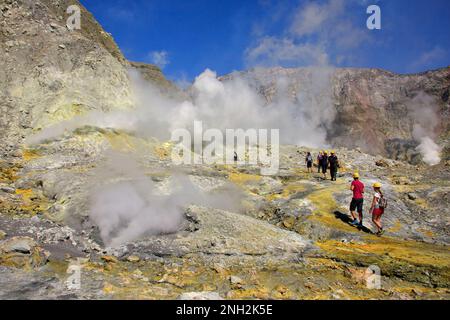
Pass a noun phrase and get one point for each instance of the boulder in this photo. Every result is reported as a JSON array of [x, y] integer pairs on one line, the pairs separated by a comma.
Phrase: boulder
[[412, 196], [289, 222], [133, 259], [382, 163], [236, 280], [7, 189], [109, 259], [22, 252]]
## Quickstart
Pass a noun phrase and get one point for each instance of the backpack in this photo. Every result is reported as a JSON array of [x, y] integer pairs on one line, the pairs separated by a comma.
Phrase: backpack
[[309, 158], [383, 203]]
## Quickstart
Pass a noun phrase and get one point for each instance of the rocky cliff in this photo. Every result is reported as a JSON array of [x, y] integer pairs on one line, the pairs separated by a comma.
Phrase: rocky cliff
[[49, 73]]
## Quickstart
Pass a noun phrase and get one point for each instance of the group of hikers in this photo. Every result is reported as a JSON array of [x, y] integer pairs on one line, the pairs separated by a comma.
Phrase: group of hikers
[[330, 160], [325, 160]]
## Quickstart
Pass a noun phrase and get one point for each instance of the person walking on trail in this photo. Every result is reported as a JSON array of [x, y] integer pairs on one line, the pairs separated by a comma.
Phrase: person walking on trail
[[309, 161], [357, 201], [377, 208], [334, 165], [324, 164], [319, 161]]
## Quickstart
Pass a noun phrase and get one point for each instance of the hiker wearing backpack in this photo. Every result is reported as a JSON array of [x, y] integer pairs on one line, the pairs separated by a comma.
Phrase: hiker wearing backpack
[[309, 161], [379, 204]]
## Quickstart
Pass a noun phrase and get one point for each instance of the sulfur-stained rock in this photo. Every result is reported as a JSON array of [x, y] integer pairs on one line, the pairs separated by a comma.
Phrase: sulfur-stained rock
[[3, 235], [109, 259], [281, 292], [236, 282], [402, 181], [289, 222], [382, 163], [133, 259], [20, 245], [219, 269], [22, 252]]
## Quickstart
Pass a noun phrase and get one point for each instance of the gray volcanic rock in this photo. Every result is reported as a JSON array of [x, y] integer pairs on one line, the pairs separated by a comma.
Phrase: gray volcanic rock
[[153, 74]]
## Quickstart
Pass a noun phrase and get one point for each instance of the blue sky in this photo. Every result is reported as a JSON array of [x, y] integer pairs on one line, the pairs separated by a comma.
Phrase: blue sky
[[187, 36]]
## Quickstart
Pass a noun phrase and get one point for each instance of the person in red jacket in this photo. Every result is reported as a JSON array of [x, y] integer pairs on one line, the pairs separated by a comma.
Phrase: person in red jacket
[[357, 201]]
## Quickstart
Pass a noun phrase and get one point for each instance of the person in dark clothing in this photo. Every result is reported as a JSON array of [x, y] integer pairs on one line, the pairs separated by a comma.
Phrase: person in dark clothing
[[319, 161], [309, 161], [334, 165], [236, 157], [324, 165]]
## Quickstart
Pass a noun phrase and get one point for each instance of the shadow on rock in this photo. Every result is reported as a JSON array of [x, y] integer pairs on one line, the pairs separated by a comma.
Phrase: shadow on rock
[[345, 218]]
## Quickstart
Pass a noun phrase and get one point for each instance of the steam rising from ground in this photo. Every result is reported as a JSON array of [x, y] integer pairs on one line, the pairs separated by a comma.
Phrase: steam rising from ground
[[425, 115], [232, 104], [114, 119], [130, 205]]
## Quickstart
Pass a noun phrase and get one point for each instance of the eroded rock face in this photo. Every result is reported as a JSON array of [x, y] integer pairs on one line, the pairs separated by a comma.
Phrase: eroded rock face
[[153, 74], [51, 74]]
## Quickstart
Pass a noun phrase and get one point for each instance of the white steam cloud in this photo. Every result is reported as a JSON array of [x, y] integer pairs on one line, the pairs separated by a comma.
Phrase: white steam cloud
[[130, 205], [235, 104], [429, 150], [114, 119], [302, 117], [424, 112]]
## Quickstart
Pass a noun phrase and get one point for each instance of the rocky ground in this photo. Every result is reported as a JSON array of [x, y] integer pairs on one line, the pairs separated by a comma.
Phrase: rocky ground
[[289, 239]]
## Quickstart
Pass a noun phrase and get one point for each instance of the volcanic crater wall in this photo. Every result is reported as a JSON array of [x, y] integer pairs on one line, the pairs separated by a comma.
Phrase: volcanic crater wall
[[373, 107]]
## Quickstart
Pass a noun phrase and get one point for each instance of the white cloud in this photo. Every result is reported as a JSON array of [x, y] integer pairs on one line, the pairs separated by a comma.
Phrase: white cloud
[[159, 58], [320, 33], [272, 51], [312, 17], [429, 57]]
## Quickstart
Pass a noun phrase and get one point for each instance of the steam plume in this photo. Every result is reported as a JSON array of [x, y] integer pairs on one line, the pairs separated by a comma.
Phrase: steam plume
[[424, 112], [230, 104], [128, 205]]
